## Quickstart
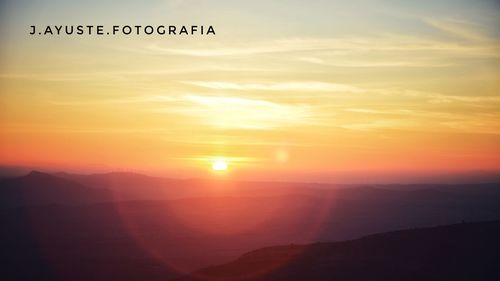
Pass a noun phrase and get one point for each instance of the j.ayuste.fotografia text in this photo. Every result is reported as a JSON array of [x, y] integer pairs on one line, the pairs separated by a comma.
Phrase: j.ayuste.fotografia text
[[49, 30]]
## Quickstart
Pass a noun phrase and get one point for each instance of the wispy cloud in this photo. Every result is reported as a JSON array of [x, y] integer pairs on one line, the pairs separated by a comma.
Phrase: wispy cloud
[[460, 28], [342, 46], [378, 124], [222, 112], [241, 113], [380, 111], [279, 86], [121, 100], [231, 112], [439, 98], [388, 62]]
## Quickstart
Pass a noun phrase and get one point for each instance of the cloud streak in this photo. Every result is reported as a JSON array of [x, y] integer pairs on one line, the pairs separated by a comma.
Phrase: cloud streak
[[348, 45], [240, 113], [278, 86]]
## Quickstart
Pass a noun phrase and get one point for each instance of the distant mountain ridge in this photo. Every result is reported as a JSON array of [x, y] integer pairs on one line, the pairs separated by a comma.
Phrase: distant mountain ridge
[[122, 186], [37, 188]]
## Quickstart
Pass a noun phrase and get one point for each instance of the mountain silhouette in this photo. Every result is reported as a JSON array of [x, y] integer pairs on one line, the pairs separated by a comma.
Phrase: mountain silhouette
[[38, 188], [468, 251], [99, 223]]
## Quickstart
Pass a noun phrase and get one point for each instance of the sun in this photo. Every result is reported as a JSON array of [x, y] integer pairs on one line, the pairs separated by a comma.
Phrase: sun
[[219, 165]]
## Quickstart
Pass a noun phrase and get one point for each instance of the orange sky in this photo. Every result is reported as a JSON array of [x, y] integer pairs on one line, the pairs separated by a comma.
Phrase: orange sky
[[408, 89]]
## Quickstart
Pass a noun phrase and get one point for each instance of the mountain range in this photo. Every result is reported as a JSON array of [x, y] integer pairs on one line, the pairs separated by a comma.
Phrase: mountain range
[[64, 225]]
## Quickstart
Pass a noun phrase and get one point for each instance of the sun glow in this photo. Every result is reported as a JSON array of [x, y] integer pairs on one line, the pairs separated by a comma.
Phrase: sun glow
[[219, 165]]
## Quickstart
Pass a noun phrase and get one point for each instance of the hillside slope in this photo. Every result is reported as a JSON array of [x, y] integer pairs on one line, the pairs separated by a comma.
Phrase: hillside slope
[[455, 252]]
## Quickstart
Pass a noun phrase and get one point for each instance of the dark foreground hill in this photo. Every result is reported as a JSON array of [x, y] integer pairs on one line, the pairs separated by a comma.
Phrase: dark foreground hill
[[468, 251]]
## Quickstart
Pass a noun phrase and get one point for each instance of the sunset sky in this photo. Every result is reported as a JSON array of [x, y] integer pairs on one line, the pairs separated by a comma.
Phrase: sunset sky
[[286, 90]]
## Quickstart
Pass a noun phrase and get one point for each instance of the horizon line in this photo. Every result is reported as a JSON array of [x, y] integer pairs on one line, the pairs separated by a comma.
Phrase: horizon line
[[419, 177]]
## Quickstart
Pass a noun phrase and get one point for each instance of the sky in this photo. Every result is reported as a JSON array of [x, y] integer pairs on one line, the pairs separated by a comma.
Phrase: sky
[[286, 90]]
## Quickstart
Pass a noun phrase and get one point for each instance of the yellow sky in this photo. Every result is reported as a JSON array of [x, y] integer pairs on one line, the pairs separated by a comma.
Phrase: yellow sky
[[285, 90]]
